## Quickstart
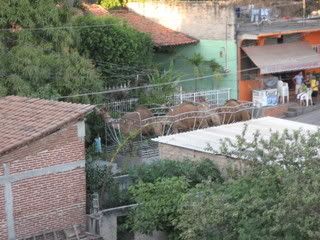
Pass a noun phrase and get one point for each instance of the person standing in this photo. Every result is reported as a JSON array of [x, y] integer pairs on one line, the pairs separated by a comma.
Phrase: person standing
[[307, 80], [298, 80], [314, 87]]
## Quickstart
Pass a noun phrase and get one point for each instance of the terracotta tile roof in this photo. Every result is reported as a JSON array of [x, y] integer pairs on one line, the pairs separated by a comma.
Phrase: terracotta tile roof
[[95, 9], [24, 120], [161, 36]]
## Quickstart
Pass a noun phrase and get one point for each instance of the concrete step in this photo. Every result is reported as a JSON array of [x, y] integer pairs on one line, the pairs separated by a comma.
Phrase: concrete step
[[297, 110], [291, 114]]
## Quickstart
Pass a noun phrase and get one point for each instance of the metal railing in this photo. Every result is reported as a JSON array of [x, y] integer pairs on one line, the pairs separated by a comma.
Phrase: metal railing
[[127, 105], [213, 97], [279, 25]]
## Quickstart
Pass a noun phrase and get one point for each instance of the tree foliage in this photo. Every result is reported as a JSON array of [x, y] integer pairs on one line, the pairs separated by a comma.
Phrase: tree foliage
[[159, 190], [113, 3], [37, 52], [158, 202], [164, 88], [194, 172], [201, 65], [276, 199], [119, 51]]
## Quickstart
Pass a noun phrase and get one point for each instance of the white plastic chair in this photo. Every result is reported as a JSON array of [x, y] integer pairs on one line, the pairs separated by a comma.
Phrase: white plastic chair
[[306, 97], [309, 98], [283, 91]]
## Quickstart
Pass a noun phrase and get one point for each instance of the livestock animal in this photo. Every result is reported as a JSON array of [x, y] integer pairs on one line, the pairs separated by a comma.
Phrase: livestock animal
[[188, 116], [233, 112], [131, 121]]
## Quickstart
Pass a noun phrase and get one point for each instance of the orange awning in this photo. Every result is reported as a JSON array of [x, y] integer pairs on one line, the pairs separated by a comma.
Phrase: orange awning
[[284, 57]]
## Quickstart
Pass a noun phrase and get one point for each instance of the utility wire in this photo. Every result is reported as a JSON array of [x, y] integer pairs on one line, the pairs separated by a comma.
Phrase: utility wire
[[147, 86], [121, 23], [162, 84]]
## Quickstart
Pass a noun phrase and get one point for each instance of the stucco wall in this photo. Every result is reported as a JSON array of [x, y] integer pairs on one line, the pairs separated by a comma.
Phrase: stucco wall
[[199, 19], [209, 49], [206, 21]]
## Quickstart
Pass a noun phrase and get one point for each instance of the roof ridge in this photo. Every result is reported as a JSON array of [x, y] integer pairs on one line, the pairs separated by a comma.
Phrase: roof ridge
[[29, 119]]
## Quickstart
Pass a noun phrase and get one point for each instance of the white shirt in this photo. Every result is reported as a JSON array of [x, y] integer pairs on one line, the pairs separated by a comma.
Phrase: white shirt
[[299, 79]]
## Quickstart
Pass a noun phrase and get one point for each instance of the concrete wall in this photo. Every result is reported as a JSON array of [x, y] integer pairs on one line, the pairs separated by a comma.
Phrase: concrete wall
[[209, 49], [155, 236], [199, 19], [108, 225], [178, 153], [42, 185]]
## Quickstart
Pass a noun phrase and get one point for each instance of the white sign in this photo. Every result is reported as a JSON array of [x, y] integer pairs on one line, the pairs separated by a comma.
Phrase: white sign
[[262, 98]]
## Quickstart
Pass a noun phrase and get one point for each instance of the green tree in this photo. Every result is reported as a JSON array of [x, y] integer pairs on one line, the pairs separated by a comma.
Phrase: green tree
[[120, 52], [196, 60], [217, 71], [194, 171], [159, 94], [276, 198], [201, 65], [37, 54], [113, 3], [157, 205]]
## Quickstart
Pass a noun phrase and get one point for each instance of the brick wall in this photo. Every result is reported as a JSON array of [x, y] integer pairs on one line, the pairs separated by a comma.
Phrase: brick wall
[[63, 146], [3, 227], [178, 153], [53, 201], [276, 111]]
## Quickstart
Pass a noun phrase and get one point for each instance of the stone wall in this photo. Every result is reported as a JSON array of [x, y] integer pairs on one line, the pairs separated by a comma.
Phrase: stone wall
[[42, 185]]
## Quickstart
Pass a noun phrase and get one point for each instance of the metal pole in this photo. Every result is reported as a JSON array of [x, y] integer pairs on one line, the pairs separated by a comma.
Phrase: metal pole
[[304, 8], [226, 45]]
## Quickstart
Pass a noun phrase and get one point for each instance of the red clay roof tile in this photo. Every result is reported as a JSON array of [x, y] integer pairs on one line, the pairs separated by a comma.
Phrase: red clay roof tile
[[24, 120], [95, 9], [161, 36]]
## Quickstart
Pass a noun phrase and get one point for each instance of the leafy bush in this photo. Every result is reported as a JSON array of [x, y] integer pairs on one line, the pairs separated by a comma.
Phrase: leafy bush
[[114, 196], [158, 202], [161, 94], [42, 63], [277, 198], [31, 71], [113, 3], [278, 205], [159, 189], [117, 49], [194, 171]]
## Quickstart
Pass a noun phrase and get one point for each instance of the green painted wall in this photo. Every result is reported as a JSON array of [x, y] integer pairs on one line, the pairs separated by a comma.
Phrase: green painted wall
[[209, 49]]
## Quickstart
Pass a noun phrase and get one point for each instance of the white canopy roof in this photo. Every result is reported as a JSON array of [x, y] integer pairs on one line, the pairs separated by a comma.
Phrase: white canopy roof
[[199, 140]]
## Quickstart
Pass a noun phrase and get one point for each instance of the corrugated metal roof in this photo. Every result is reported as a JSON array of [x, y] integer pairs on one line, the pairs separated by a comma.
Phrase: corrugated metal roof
[[283, 57], [199, 140]]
